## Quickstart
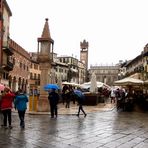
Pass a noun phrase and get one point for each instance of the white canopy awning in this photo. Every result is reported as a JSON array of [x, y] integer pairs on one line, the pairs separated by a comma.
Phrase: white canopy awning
[[146, 82], [71, 83], [99, 84], [128, 81]]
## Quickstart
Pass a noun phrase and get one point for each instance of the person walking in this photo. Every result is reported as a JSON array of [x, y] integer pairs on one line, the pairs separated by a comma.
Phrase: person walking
[[80, 99], [65, 87], [20, 103], [7, 99], [112, 96], [53, 98], [67, 97]]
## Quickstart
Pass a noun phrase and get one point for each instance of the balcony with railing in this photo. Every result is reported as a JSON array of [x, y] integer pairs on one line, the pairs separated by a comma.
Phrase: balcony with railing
[[8, 66], [8, 51]]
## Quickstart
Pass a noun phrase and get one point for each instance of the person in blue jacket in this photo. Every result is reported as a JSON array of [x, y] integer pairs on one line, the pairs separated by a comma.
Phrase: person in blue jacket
[[20, 103]]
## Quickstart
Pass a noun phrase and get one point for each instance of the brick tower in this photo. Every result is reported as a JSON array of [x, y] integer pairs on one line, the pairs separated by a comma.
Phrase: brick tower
[[84, 53]]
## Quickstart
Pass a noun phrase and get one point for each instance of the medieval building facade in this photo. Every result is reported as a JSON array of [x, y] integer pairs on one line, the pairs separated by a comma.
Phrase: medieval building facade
[[18, 77], [6, 52], [105, 74], [137, 67]]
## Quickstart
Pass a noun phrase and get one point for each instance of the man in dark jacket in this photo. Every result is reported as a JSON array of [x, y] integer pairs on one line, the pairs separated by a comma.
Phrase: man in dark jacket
[[53, 100]]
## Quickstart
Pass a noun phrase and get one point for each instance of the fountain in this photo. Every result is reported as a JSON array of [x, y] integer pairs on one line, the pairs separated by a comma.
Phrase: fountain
[[93, 84], [92, 95]]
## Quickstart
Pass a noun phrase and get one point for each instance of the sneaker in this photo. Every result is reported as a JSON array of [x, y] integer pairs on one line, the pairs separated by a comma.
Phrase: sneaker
[[10, 127], [22, 127], [77, 115], [85, 115], [5, 127]]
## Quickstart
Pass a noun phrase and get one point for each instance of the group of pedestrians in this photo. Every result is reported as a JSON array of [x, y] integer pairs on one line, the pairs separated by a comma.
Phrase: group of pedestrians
[[18, 101], [67, 94], [8, 100], [124, 100]]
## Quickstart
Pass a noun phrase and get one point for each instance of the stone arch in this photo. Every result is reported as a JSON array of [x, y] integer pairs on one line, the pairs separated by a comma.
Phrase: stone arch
[[14, 84], [10, 81], [19, 83], [104, 79], [23, 84], [26, 85]]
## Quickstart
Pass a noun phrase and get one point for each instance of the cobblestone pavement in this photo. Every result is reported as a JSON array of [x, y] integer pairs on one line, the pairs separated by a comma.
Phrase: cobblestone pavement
[[74, 109], [100, 129]]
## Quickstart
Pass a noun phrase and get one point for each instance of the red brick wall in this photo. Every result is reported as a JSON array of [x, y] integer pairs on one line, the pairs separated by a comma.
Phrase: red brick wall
[[21, 56]]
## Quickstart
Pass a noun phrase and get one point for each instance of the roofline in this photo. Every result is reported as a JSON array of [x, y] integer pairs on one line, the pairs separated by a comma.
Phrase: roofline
[[133, 60], [41, 39], [7, 7]]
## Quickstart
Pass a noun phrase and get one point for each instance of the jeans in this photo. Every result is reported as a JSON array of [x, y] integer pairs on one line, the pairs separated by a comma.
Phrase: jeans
[[7, 115], [22, 116], [54, 110], [81, 109]]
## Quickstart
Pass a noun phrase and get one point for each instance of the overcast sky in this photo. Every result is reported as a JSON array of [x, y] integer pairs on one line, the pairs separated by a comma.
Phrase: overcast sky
[[115, 29]]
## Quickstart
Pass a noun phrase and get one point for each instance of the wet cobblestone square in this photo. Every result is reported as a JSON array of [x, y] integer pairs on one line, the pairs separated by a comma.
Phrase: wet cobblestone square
[[102, 129]]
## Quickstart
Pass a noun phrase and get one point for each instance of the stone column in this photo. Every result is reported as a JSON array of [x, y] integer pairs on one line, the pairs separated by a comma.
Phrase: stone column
[[45, 60], [43, 104]]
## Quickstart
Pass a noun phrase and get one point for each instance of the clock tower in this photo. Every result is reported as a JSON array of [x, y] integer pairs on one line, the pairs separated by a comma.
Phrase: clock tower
[[84, 53]]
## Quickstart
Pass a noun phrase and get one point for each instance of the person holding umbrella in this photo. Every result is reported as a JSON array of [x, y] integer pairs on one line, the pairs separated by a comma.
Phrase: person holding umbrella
[[80, 99], [53, 100]]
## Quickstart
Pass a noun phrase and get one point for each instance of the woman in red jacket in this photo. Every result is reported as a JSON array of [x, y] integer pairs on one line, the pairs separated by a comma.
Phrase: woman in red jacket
[[6, 106]]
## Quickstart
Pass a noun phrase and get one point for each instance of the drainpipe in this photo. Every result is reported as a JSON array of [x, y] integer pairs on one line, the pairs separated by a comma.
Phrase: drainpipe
[[1, 31], [1, 38]]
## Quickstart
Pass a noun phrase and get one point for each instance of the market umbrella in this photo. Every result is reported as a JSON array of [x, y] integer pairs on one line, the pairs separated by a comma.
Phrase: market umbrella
[[71, 83], [146, 82], [51, 86], [128, 81], [99, 85], [2, 87], [66, 83]]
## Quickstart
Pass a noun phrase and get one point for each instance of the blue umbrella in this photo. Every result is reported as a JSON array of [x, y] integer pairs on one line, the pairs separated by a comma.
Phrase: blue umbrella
[[51, 86], [79, 93]]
